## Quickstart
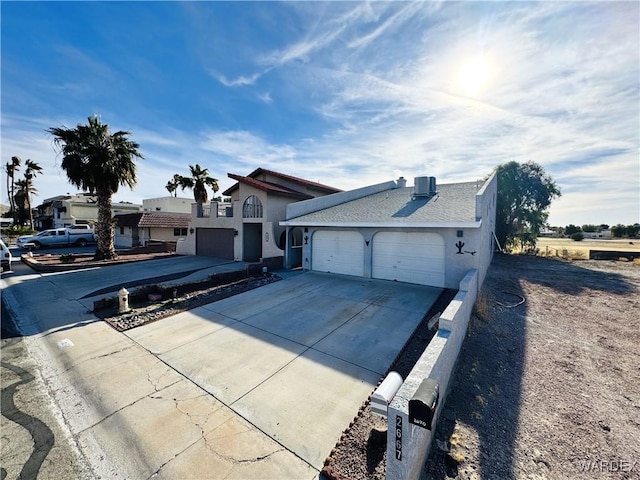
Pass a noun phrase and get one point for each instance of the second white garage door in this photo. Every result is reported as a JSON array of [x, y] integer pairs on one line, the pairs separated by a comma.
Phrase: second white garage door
[[410, 257], [338, 251]]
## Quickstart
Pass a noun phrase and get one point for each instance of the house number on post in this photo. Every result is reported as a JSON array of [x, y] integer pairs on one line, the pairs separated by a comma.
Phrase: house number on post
[[398, 437]]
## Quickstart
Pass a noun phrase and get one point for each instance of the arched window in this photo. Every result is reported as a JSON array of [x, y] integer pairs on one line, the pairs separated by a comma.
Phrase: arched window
[[252, 207]]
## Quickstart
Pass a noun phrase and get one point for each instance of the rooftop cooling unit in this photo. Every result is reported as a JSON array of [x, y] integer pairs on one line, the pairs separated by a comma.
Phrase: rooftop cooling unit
[[424, 186]]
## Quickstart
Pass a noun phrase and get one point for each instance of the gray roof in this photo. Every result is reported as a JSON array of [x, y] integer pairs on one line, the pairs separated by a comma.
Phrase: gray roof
[[453, 204]]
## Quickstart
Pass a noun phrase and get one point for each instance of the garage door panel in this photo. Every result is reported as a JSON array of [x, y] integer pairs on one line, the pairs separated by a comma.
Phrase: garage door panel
[[338, 252], [409, 257], [215, 242]]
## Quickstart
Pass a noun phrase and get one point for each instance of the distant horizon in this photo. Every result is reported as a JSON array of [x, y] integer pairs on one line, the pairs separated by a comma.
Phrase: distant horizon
[[347, 94]]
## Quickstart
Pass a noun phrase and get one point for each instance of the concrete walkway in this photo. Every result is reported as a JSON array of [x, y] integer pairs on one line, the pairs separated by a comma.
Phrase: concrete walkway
[[259, 385]]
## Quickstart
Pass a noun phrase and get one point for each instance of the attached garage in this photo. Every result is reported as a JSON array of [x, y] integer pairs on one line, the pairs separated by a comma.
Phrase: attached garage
[[338, 251], [411, 257], [215, 242]]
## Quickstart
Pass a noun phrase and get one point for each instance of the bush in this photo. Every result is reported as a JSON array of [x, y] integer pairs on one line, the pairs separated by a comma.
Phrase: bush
[[16, 231], [577, 236], [67, 258]]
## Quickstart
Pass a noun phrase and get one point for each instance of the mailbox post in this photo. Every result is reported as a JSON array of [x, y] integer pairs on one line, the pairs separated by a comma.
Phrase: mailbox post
[[422, 406]]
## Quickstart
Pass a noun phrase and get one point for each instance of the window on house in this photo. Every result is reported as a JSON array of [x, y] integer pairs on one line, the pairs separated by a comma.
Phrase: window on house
[[252, 207], [179, 232], [121, 230]]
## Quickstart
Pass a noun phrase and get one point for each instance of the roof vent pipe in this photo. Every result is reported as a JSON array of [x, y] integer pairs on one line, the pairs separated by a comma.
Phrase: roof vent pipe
[[401, 182]]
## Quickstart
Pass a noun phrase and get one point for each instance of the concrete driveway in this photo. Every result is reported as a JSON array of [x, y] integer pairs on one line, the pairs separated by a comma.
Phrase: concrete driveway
[[260, 385], [296, 358]]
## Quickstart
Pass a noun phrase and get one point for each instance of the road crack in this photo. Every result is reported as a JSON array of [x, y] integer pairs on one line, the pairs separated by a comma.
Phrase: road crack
[[42, 435]]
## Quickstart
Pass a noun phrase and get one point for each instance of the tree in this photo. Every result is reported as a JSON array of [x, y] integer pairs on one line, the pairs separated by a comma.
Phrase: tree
[[31, 171], [20, 202], [173, 184], [590, 228], [11, 169], [618, 231], [525, 192], [98, 161], [199, 181], [633, 230], [571, 229]]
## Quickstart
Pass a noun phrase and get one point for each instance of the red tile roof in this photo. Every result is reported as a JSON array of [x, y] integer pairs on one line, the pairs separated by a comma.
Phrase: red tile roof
[[273, 187], [153, 219]]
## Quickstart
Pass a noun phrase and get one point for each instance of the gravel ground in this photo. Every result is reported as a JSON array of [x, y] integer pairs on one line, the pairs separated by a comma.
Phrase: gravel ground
[[545, 388]]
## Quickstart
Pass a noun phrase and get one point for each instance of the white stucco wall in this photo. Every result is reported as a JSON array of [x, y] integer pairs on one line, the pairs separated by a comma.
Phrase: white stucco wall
[[123, 240], [164, 234], [167, 204]]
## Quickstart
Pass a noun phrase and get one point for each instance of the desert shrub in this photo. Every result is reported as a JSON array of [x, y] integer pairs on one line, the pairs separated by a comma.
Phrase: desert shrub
[[481, 307], [67, 258], [16, 231], [577, 236]]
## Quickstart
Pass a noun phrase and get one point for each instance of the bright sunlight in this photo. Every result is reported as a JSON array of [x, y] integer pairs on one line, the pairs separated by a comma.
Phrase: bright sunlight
[[472, 76]]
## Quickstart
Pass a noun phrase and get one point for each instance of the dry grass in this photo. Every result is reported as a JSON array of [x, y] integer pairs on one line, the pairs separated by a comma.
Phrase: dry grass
[[481, 307], [545, 244]]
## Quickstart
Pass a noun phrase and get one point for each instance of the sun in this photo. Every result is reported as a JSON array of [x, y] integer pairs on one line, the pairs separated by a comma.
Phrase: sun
[[472, 76]]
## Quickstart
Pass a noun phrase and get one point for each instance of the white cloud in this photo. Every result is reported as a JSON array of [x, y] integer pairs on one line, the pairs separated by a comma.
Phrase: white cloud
[[374, 86], [240, 81]]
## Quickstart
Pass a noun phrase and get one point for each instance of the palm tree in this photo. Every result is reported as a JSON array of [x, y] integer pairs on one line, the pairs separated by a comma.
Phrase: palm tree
[[11, 168], [98, 161], [32, 170], [172, 185], [20, 202], [198, 181]]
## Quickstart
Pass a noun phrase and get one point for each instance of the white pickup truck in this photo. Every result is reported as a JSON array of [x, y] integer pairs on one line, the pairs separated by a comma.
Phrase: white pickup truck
[[57, 237]]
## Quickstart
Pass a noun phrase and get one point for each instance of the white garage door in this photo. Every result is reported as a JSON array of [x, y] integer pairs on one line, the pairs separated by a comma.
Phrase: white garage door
[[410, 257], [338, 251]]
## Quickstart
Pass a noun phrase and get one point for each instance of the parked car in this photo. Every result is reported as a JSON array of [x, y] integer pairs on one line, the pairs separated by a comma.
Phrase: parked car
[[7, 258], [57, 237], [82, 227]]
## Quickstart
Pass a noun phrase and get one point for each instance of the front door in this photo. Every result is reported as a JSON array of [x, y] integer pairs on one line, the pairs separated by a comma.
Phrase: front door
[[252, 242]]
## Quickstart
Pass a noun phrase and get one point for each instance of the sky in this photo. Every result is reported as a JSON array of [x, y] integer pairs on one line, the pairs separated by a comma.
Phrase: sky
[[348, 94]]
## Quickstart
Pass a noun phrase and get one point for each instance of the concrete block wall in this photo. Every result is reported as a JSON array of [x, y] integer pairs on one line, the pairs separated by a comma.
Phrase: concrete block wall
[[407, 444]]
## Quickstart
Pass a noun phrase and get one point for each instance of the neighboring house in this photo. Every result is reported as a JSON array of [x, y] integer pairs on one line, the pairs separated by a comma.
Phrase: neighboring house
[[69, 210], [167, 204], [603, 234], [247, 228], [138, 229], [428, 234]]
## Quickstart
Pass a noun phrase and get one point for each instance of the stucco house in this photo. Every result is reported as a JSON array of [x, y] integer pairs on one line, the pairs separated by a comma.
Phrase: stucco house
[[427, 234], [248, 227], [138, 229], [69, 210], [167, 204]]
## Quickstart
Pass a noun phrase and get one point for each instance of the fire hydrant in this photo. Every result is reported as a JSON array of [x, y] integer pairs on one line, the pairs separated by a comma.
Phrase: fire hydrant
[[123, 300]]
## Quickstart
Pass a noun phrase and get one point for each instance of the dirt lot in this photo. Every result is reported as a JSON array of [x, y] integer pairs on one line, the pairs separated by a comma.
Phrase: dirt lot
[[548, 388], [551, 388]]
